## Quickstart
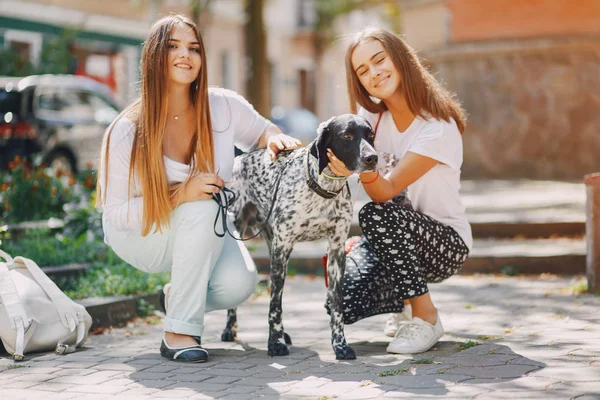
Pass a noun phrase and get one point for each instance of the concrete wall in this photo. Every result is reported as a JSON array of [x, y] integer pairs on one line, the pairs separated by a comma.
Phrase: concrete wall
[[528, 74], [534, 108]]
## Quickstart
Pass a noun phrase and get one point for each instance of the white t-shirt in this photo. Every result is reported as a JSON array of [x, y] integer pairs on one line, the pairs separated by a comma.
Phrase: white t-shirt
[[234, 123], [436, 193]]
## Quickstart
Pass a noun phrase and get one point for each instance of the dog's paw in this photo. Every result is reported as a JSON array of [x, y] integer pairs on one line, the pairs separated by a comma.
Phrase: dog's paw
[[228, 335], [276, 348], [287, 338], [344, 352]]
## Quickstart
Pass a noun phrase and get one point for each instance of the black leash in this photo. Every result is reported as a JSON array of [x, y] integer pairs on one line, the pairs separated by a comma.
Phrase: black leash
[[226, 203]]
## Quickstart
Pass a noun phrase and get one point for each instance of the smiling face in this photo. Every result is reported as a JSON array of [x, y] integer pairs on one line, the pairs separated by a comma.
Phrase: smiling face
[[376, 70], [184, 59]]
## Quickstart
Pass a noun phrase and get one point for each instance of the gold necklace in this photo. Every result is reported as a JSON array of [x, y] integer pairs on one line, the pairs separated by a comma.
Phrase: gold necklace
[[176, 117]]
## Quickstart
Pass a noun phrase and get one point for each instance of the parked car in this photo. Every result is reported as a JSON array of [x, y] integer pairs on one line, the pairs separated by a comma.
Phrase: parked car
[[61, 117]]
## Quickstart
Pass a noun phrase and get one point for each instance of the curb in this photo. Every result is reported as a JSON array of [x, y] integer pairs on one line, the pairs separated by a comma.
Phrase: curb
[[569, 264], [66, 270], [115, 311], [507, 230]]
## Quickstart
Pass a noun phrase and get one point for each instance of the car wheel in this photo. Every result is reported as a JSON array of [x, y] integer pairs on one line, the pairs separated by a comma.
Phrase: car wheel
[[62, 161]]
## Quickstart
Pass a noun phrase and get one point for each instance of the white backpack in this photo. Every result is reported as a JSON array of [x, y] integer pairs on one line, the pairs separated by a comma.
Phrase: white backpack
[[35, 315]]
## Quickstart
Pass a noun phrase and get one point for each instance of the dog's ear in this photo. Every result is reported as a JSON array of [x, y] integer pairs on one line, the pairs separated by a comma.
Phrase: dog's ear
[[319, 147]]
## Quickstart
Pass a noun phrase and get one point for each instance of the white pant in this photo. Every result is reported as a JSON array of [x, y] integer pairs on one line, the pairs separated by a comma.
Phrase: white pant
[[207, 272]]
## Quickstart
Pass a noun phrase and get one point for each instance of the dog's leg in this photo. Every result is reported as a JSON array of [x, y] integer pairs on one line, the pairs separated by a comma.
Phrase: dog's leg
[[335, 267], [280, 254], [230, 332]]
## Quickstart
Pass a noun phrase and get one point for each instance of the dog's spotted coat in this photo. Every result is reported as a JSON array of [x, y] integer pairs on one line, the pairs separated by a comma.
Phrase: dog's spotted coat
[[300, 214]]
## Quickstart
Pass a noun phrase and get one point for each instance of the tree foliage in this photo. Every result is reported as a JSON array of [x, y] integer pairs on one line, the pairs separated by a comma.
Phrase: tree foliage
[[56, 57]]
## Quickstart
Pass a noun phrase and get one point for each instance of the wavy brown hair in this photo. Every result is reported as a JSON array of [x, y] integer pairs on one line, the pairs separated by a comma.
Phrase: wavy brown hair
[[424, 95], [149, 113]]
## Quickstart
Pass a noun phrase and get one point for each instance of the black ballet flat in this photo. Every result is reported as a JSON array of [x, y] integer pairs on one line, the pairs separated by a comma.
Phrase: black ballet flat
[[191, 354]]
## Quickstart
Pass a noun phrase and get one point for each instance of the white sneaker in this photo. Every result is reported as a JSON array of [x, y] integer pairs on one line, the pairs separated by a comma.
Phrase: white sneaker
[[416, 336], [393, 322]]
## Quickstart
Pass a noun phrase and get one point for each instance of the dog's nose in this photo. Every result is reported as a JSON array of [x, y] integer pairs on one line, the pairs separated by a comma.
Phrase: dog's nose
[[371, 160]]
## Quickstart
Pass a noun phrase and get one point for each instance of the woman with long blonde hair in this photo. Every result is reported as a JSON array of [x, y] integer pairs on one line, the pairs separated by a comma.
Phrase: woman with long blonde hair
[[162, 160], [419, 123]]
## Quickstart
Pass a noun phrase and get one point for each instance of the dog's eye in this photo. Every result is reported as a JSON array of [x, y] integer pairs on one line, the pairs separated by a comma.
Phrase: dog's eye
[[347, 136]]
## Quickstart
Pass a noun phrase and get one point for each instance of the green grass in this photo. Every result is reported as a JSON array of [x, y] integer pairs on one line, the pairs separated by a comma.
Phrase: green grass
[[423, 361], [509, 270], [393, 372], [55, 250], [467, 345], [487, 337], [578, 287], [114, 280]]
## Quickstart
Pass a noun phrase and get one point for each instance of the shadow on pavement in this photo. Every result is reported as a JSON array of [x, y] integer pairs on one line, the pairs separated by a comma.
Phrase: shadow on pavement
[[244, 369]]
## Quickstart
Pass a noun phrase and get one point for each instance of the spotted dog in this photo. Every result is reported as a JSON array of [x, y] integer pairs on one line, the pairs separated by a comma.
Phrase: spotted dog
[[305, 202]]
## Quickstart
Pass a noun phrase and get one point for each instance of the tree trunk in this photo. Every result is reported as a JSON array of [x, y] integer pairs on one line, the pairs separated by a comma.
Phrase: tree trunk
[[257, 85]]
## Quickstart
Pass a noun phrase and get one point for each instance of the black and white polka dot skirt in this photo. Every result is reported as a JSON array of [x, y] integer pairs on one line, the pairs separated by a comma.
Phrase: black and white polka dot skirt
[[401, 251]]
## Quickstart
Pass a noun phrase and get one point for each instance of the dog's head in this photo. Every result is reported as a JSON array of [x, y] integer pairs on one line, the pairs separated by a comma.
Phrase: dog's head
[[350, 137]]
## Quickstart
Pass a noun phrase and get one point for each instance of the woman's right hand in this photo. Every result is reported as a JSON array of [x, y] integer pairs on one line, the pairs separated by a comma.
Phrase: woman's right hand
[[199, 187]]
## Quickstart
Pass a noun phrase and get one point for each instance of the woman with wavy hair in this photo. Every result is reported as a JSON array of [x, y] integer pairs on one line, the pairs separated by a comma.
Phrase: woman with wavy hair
[[419, 123], [162, 160]]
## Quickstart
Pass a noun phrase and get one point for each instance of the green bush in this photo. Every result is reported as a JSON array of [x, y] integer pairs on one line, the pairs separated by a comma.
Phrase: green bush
[[54, 250], [28, 192], [114, 280]]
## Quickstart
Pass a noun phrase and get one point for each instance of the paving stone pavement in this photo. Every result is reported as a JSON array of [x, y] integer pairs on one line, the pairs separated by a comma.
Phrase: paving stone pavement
[[535, 341]]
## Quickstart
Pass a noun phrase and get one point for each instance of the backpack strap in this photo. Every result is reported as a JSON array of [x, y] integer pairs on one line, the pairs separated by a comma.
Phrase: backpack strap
[[62, 303], [14, 307]]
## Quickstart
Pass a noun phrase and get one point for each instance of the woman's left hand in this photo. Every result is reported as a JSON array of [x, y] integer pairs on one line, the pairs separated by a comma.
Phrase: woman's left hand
[[337, 166], [281, 141]]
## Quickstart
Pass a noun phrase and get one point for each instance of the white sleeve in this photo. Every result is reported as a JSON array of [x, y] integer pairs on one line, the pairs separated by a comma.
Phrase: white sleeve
[[249, 125], [441, 141], [122, 212]]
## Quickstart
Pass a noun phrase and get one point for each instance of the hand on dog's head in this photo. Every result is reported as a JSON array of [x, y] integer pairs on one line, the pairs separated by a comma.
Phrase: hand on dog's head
[[351, 138]]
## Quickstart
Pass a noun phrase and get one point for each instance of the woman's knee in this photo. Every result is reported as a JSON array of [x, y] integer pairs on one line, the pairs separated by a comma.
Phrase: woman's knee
[[374, 215], [232, 292]]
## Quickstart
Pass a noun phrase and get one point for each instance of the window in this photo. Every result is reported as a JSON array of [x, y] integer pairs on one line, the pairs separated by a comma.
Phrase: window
[[306, 13], [76, 105]]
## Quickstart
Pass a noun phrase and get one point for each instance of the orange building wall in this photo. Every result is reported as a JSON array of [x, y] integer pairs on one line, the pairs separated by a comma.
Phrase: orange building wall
[[474, 20]]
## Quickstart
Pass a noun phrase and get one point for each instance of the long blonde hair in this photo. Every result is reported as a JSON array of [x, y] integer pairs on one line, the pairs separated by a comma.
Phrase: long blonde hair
[[424, 95], [150, 112]]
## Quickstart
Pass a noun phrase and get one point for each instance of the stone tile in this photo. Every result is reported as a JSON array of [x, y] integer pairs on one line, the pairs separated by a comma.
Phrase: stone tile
[[175, 393], [151, 384], [97, 389], [29, 377], [495, 372], [423, 381], [580, 374], [221, 379], [13, 384], [204, 386], [52, 387], [541, 395], [115, 367]]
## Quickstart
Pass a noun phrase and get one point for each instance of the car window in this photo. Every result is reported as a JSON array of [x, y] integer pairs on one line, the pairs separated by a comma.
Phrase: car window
[[76, 105], [104, 112]]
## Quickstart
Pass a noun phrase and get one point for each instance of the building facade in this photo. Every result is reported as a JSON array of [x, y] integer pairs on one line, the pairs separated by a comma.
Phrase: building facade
[[528, 74]]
